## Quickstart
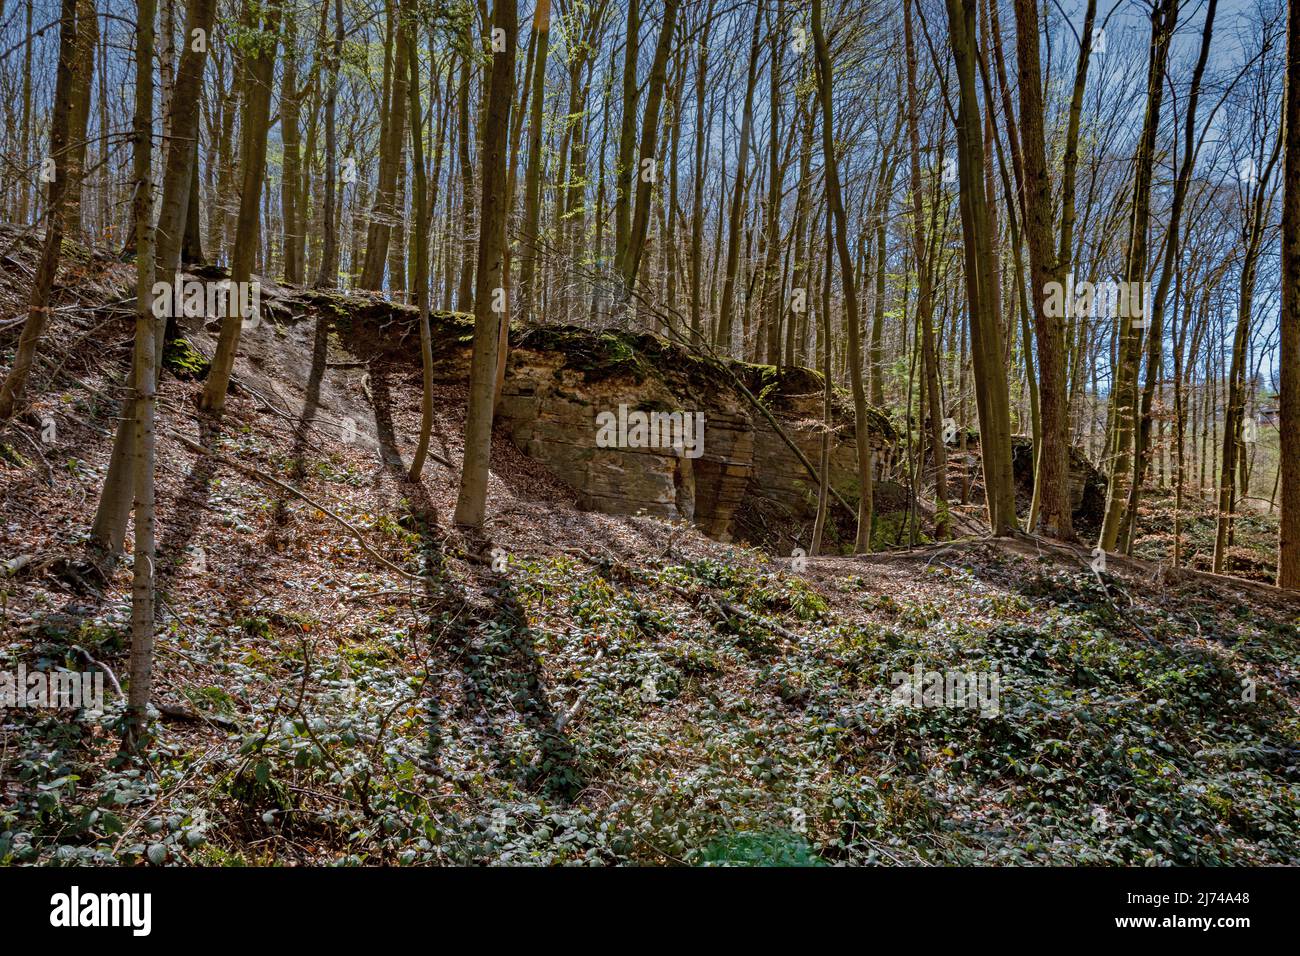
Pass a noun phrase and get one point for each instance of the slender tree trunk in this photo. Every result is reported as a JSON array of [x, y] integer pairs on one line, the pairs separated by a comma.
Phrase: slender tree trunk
[[328, 276], [625, 164], [180, 177], [770, 316], [1124, 406], [393, 132], [465, 290], [648, 162], [38, 311], [421, 221], [533, 177], [1052, 479], [83, 73], [192, 241], [828, 420], [697, 177], [260, 69], [991, 393], [836, 202], [25, 124], [1288, 562], [490, 303], [290, 134], [181, 152], [1155, 335], [142, 582], [924, 292], [876, 351], [735, 227], [672, 247]]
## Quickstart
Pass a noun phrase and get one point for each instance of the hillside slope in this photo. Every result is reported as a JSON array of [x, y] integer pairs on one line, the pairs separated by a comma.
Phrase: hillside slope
[[577, 687]]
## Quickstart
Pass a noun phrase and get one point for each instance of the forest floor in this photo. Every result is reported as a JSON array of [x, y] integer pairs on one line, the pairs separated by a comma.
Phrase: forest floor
[[580, 688]]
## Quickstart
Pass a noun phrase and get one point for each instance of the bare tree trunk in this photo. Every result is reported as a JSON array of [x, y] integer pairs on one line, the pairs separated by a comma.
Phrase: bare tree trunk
[[924, 292], [421, 216], [1052, 478], [490, 301], [735, 226], [392, 135], [625, 163], [1155, 334], [1124, 406], [465, 290], [1288, 562], [533, 177], [800, 294], [83, 72], [328, 276], [770, 315], [25, 149], [38, 311], [181, 155], [142, 582], [835, 199], [875, 351], [1231, 465], [697, 176], [828, 421], [290, 134], [991, 395], [180, 177], [192, 242], [645, 178], [257, 113]]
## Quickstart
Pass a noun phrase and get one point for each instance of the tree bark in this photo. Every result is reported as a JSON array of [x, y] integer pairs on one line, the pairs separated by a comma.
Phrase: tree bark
[[38, 311], [735, 225], [490, 301], [533, 177], [142, 579], [697, 176], [392, 135], [252, 161], [421, 258], [924, 292], [631, 262], [328, 276], [991, 394], [1155, 334], [835, 199], [1124, 406], [626, 160], [290, 134], [1052, 478], [1288, 562]]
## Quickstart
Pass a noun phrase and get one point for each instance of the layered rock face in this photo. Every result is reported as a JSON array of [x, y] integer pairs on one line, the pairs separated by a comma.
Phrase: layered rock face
[[551, 409], [561, 383], [796, 400]]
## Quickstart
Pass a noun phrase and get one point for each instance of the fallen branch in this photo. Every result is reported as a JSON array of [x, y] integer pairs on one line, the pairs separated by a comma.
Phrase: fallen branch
[[1023, 541], [112, 678], [184, 714]]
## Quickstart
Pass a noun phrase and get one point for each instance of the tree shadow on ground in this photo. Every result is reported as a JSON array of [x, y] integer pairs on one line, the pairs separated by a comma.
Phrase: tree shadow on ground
[[191, 508], [381, 397], [486, 642]]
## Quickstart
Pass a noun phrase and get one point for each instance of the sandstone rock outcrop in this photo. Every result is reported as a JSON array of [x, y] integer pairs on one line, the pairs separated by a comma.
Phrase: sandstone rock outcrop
[[560, 379]]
